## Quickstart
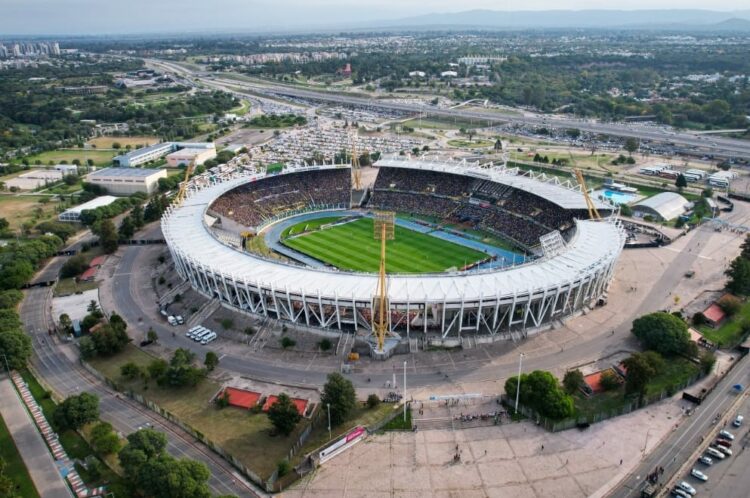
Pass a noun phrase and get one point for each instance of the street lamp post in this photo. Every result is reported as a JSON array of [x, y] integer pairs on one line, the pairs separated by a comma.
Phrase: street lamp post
[[405, 392], [329, 420], [518, 385]]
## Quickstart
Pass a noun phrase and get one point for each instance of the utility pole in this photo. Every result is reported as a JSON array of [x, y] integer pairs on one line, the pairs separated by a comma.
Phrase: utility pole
[[518, 385], [329, 420], [405, 391]]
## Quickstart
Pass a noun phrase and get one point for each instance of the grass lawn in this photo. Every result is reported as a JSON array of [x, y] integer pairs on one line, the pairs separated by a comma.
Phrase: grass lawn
[[730, 333], [599, 403], [308, 226], [475, 144], [68, 286], [245, 435], [352, 247], [106, 142], [399, 423], [100, 157], [15, 469], [18, 209], [431, 124], [676, 371]]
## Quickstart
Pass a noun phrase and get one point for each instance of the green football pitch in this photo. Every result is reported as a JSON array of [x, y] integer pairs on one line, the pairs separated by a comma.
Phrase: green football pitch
[[351, 246]]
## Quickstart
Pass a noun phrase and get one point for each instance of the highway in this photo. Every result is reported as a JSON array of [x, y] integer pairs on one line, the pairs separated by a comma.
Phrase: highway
[[56, 363], [714, 145]]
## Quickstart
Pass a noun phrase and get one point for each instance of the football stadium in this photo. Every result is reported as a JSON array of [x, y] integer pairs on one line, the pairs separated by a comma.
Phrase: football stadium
[[488, 252]]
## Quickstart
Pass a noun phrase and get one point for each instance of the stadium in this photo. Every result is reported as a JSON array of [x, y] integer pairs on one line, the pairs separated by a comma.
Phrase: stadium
[[528, 258]]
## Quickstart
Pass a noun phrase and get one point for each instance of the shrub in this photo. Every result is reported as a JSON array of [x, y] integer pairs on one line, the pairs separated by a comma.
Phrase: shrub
[[283, 468], [609, 381], [372, 401], [572, 381], [227, 323], [325, 344], [287, 342]]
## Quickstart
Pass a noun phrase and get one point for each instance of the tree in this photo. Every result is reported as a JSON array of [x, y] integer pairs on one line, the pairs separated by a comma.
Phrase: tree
[[641, 368], [87, 347], [142, 446], [707, 361], [74, 266], [77, 411], [284, 415], [372, 401], [131, 371], [110, 339], [572, 381], [287, 342], [126, 230], [16, 348], [157, 369], [104, 439], [211, 361], [739, 275], [609, 380], [631, 145], [541, 392], [325, 344], [136, 215], [662, 332], [4, 224], [105, 230], [93, 308], [681, 181], [339, 393], [10, 298], [151, 335]]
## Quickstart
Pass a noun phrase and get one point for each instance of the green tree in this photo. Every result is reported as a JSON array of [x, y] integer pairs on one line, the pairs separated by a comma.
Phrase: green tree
[[707, 360], [131, 371], [77, 411], [640, 370], [10, 298], [283, 415], [136, 215], [662, 332], [681, 181], [16, 348], [105, 230], [338, 391], [157, 369], [631, 145], [110, 339], [74, 266], [151, 335], [126, 230], [325, 344], [372, 401], [104, 439], [93, 308], [739, 275], [211, 361], [541, 392], [572, 381], [609, 380]]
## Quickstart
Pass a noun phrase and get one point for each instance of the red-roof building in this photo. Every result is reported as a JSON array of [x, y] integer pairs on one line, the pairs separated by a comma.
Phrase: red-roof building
[[88, 275], [242, 398], [714, 315], [300, 404]]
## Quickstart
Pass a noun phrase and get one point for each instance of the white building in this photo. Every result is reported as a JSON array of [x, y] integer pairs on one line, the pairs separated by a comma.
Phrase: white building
[[74, 214], [66, 169], [127, 181], [662, 207], [448, 74], [156, 151], [183, 157]]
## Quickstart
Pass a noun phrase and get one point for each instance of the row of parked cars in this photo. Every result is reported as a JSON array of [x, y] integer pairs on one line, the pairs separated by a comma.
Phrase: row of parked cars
[[201, 334], [719, 450]]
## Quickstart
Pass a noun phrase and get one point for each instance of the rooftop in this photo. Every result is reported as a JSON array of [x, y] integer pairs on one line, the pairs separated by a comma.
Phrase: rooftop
[[125, 172], [104, 200]]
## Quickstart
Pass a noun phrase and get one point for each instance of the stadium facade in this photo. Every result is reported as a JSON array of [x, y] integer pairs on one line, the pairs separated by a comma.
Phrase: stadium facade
[[569, 274]]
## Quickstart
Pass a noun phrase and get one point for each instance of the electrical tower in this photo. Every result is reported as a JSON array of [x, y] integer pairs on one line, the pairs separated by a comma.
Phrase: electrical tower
[[383, 230]]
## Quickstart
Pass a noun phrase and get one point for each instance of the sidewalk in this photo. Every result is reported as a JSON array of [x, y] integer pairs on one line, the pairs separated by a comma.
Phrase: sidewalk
[[31, 446]]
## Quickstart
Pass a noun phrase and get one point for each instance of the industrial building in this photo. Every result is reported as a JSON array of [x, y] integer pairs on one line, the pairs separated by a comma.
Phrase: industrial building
[[126, 181], [74, 214], [662, 207], [183, 157], [157, 151]]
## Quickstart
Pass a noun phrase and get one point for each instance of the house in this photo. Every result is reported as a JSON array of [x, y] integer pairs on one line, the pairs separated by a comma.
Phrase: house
[[715, 316]]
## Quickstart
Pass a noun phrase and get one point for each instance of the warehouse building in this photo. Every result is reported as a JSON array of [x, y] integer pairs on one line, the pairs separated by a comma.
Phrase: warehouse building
[[74, 214], [662, 207], [157, 151], [127, 181], [183, 157]]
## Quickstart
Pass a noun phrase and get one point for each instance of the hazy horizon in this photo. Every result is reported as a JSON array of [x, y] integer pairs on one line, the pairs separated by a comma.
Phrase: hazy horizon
[[92, 17]]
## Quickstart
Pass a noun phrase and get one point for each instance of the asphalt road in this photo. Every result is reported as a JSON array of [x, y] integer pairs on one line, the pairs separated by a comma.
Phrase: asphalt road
[[679, 447], [57, 364], [718, 146]]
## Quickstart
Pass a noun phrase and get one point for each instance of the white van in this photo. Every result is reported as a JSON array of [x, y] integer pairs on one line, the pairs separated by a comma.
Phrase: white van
[[172, 320], [208, 338], [200, 335], [192, 331]]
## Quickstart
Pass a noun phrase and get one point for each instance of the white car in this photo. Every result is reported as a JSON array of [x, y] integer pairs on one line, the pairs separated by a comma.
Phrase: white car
[[724, 450], [726, 435], [705, 460], [686, 487], [738, 421], [715, 453], [699, 475]]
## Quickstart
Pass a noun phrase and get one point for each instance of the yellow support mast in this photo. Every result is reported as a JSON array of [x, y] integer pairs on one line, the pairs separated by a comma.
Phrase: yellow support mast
[[356, 171], [593, 213], [183, 186], [383, 230]]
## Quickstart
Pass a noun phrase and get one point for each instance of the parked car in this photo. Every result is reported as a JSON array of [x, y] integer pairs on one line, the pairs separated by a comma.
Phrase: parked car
[[687, 488], [726, 435], [724, 450], [724, 443], [699, 475], [680, 493], [738, 421], [179, 319], [172, 321], [705, 460], [715, 453]]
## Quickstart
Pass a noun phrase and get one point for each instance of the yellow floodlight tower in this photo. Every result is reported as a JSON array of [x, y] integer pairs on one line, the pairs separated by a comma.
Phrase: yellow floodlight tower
[[356, 171], [184, 185], [593, 213], [383, 230]]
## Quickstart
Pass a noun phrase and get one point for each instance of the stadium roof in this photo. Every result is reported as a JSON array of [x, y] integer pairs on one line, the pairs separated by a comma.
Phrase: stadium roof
[[104, 200], [667, 205], [594, 245], [565, 194], [125, 172]]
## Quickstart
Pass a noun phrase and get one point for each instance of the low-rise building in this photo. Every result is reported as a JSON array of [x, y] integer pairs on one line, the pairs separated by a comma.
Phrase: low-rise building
[[183, 157], [74, 214], [156, 151], [127, 181]]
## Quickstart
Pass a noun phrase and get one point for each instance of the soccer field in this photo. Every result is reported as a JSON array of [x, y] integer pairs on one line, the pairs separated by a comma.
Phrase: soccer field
[[352, 247]]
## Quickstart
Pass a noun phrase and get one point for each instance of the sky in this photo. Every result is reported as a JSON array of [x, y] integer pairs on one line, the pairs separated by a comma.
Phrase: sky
[[97, 17]]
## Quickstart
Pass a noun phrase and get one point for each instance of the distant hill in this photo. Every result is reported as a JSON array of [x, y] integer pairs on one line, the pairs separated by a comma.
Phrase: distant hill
[[633, 19]]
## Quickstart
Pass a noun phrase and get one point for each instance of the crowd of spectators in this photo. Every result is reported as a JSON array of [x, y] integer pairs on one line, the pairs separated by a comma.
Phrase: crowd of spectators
[[494, 207], [254, 203]]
